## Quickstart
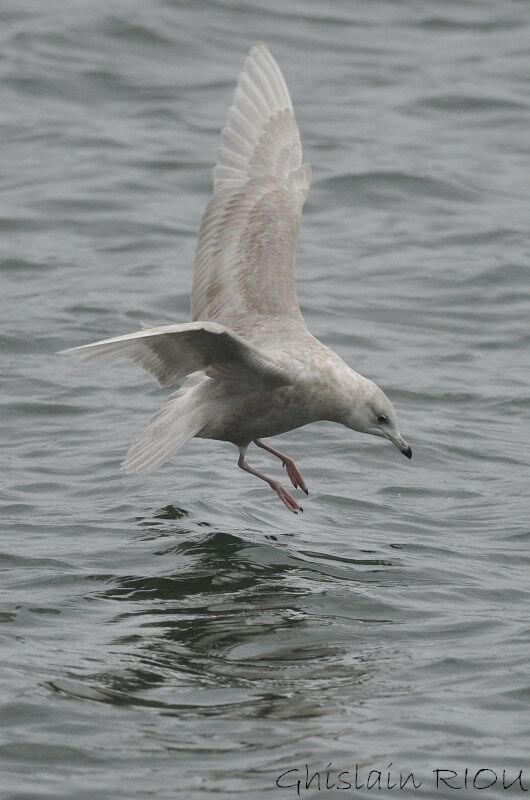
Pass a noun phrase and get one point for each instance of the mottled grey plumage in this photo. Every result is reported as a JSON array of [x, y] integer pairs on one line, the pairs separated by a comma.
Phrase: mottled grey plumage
[[253, 369]]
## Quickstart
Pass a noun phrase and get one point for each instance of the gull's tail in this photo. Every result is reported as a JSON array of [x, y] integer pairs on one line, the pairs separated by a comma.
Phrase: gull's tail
[[180, 418]]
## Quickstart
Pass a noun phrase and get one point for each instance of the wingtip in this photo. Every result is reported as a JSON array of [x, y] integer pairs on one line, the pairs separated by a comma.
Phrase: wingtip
[[72, 351], [259, 47]]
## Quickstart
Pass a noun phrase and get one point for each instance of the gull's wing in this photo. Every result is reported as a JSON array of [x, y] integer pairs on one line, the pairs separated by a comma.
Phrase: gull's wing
[[246, 250], [170, 352]]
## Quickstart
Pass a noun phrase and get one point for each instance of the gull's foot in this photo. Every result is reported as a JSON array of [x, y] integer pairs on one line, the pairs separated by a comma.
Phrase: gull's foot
[[287, 499], [295, 475]]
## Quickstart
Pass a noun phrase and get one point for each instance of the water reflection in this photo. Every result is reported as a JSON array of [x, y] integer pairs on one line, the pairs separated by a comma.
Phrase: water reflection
[[223, 618]]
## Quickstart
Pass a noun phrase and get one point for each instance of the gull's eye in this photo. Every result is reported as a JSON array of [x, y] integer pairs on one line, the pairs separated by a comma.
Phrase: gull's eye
[[382, 418]]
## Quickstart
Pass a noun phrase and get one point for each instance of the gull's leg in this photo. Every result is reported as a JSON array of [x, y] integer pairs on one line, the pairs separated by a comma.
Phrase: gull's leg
[[282, 493], [292, 470]]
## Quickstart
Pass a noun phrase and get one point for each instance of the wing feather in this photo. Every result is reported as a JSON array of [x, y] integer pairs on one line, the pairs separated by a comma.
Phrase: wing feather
[[245, 256], [170, 352]]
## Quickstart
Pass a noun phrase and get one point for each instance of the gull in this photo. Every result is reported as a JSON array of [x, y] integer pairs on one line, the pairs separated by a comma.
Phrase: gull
[[247, 366]]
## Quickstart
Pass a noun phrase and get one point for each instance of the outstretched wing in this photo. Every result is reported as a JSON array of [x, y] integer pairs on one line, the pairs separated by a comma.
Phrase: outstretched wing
[[171, 352], [246, 250]]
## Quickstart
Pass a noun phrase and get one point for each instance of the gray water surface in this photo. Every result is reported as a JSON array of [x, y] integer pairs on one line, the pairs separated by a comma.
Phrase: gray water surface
[[180, 634]]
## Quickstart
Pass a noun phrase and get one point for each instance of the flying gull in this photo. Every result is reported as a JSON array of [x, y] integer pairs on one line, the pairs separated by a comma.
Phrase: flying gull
[[249, 366]]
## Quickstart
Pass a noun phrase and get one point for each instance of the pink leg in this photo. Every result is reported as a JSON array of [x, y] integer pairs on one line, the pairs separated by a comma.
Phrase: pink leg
[[292, 470], [282, 493]]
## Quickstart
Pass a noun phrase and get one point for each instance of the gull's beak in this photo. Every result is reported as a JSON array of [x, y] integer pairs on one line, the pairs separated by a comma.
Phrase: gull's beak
[[402, 445]]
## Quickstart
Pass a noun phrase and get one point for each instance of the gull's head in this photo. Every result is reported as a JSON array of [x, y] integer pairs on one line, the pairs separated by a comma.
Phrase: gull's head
[[372, 412]]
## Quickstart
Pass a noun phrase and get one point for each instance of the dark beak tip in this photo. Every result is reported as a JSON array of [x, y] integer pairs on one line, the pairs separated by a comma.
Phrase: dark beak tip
[[407, 451]]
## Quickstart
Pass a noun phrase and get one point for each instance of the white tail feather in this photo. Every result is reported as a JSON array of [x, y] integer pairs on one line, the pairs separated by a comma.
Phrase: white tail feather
[[179, 419]]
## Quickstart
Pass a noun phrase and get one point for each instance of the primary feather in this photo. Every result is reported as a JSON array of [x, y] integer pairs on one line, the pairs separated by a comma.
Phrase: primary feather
[[246, 249], [170, 352]]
